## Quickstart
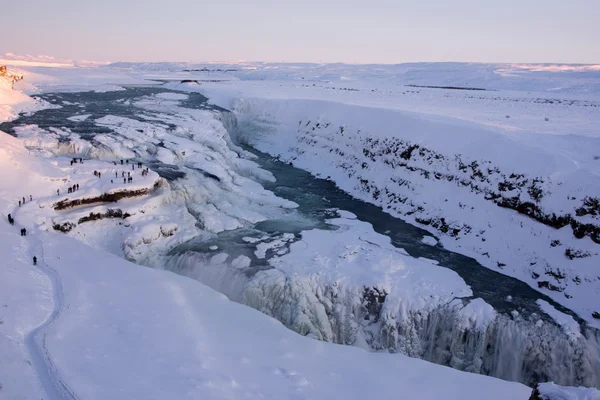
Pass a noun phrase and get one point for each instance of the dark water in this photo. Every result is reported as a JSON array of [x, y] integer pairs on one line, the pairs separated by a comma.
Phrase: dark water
[[98, 105], [315, 197]]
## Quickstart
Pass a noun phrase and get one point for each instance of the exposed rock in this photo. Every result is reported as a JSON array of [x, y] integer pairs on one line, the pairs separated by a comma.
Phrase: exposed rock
[[108, 214], [535, 395], [104, 198], [66, 227], [13, 78]]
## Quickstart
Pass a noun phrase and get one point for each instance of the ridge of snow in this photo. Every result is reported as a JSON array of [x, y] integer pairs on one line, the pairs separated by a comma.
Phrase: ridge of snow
[[552, 391], [568, 324]]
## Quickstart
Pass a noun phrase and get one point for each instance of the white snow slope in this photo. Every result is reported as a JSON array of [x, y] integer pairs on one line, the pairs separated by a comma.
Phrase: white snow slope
[[86, 324]]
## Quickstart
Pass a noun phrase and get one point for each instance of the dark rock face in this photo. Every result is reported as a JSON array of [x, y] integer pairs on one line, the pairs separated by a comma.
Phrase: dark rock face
[[373, 299], [591, 206], [64, 227], [104, 198], [110, 213], [535, 395]]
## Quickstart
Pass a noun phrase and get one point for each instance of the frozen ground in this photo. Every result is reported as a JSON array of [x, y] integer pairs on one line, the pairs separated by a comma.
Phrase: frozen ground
[[234, 199]]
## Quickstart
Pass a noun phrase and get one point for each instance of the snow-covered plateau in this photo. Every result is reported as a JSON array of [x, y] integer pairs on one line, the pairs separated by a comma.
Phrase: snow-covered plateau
[[508, 177]]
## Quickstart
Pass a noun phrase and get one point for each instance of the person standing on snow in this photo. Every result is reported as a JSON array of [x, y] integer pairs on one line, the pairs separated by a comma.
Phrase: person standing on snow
[[34, 260]]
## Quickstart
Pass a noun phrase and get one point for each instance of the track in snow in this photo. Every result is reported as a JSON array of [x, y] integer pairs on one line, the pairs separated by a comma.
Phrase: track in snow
[[53, 384]]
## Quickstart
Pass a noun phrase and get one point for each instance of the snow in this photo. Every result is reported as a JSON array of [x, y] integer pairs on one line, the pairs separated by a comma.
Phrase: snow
[[568, 324], [551, 391], [262, 248], [95, 319], [355, 255], [429, 240], [13, 102], [478, 314]]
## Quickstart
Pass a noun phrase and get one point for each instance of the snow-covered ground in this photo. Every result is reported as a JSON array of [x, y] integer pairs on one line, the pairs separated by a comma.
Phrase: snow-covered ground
[[84, 323], [550, 391], [321, 121]]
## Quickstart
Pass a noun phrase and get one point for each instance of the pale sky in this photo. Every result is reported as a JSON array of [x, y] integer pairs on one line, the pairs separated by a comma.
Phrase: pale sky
[[352, 31]]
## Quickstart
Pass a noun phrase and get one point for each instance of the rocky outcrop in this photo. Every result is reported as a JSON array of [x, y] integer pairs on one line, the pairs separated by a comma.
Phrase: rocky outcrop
[[103, 198], [12, 77], [66, 227]]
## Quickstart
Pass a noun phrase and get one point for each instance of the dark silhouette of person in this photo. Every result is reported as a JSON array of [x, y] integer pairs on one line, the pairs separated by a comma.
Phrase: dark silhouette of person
[[19, 203], [34, 260], [30, 198]]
